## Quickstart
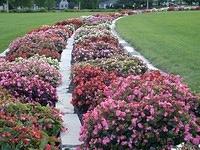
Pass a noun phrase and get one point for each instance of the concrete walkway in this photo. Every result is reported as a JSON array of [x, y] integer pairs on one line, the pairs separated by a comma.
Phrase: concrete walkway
[[70, 137]]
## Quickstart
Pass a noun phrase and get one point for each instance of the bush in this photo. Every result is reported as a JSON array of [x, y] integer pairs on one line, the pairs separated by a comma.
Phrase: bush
[[25, 48], [101, 18], [195, 8], [172, 8], [53, 62], [95, 36], [89, 81], [151, 85], [6, 97], [25, 126], [93, 42], [189, 146], [121, 65], [92, 51], [28, 88], [54, 31], [40, 40], [47, 40], [33, 67], [76, 22], [149, 124], [90, 31]]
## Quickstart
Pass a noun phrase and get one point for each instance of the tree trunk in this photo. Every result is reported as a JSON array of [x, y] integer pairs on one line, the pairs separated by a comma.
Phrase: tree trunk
[[7, 3], [147, 4], [79, 5]]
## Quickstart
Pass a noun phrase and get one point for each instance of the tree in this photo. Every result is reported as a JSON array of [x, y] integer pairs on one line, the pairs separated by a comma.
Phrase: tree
[[87, 4], [78, 2], [40, 3], [50, 4]]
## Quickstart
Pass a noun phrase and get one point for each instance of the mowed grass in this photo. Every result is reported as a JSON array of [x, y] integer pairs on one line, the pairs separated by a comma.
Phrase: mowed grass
[[14, 25], [171, 41]]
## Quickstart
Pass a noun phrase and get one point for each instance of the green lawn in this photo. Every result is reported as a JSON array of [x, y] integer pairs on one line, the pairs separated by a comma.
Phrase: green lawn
[[17, 24], [171, 41]]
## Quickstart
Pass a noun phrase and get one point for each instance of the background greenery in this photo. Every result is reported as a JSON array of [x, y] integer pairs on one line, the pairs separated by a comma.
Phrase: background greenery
[[93, 4], [170, 40]]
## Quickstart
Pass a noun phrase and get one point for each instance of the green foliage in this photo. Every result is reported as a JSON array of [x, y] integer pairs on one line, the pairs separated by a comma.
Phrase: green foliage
[[50, 4], [87, 4]]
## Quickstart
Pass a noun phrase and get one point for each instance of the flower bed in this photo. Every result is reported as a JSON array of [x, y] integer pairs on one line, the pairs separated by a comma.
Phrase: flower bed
[[47, 40], [5, 97], [28, 88], [93, 42], [53, 62], [33, 67], [151, 85], [101, 18], [125, 107], [121, 65], [27, 126], [88, 82], [76, 22], [30, 45], [149, 124], [136, 109]]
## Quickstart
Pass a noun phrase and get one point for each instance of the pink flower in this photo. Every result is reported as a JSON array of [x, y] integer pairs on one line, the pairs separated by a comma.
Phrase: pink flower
[[196, 141], [106, 140]]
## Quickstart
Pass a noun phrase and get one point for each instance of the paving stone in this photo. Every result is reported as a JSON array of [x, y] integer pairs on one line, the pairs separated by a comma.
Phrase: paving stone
[[4, 52], [65, 107], [70, 138]]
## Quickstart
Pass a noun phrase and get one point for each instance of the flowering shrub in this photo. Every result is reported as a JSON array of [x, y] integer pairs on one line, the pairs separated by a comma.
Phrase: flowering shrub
[[33, 67], [127, 12], [88, 31], [172, 8], [53, 62], [28, 88], [95, 33], [48, 53], [76, 22], [5, 97], [92, 50], [121, 65], [39, 41], [89, 81], [138, 125], [2, 59], [189, 146], [151, 85], [100, 18], [25, 126], [56, 31], [25, 48], [47, 40], [196, 8], [93, 42]]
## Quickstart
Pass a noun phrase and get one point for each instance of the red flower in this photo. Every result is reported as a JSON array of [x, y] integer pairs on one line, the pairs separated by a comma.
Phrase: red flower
[[36, 133], [48, 147]]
